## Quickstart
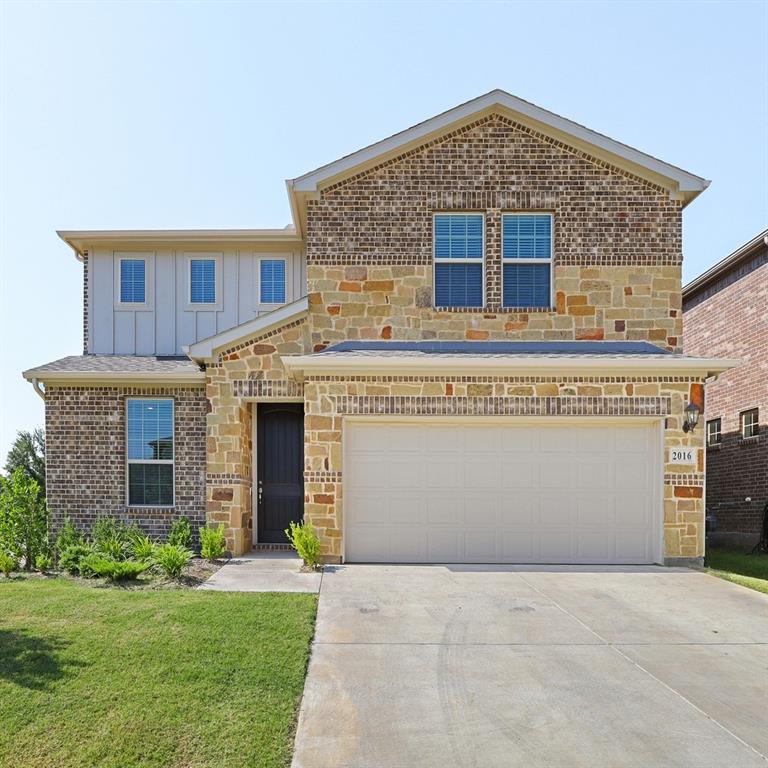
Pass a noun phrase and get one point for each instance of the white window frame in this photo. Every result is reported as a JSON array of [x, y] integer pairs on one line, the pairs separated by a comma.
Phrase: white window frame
[[549, 261], [755, 423], [201, 306], [171, 461], [287, 267], [718, 432], [436, 260], [148, 257]]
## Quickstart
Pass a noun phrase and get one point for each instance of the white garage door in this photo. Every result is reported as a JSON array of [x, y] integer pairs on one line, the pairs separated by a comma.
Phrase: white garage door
[[482, 492]]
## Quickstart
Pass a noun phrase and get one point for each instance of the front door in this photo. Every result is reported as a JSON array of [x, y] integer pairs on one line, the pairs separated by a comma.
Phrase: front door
[[279, 469]]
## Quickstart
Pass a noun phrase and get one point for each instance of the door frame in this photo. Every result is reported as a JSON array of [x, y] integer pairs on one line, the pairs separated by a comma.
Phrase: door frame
[[252, 404], [658, 458]]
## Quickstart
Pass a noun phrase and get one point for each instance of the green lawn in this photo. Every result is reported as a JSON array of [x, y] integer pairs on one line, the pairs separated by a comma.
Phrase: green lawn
[[737, 566], [177, 678]]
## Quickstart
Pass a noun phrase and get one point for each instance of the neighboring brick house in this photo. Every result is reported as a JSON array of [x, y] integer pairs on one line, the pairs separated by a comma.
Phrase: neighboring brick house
[[467, 348], [725, 313]]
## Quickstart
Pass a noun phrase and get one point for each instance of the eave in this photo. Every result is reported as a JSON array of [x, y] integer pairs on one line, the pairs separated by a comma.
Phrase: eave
[[115, 378], [300, 366]]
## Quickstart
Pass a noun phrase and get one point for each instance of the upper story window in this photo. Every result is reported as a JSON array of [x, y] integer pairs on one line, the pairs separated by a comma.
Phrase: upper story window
[[750, 424], [272, 281], [714, 432], [458, 250], [526, 260], [133, 289], [202, 281], [150, 452]]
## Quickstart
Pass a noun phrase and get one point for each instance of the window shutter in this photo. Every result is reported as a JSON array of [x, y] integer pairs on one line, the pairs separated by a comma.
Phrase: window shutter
[[527, 236], [458, 285], [526, 285], [132, 274], [272, 281]]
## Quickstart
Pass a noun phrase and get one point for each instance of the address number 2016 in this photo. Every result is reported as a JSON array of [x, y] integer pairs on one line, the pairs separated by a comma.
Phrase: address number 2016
[[683, 456]]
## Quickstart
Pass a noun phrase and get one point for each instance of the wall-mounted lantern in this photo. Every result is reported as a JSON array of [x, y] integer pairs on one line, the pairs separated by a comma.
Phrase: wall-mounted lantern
[[691, 417]]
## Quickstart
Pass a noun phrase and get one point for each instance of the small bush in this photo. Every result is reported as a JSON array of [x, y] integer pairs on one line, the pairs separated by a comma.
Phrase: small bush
[[114, 570], [68, 536], [142, 547], [180, 534], [304, 540], [213, 544], [111, 538], [8, 563], [71, 558], [23, 518], [43, 563], [172, 559]]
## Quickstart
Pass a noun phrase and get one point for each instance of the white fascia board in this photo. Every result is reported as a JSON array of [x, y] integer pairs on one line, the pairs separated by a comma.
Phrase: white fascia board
[[81, 240], [300, 365], [97, 378], [204, 350], [687, 184]]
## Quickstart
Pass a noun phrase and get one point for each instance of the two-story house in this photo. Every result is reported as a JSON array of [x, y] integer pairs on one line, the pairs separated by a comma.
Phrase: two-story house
[[725, 313], [466, 348]]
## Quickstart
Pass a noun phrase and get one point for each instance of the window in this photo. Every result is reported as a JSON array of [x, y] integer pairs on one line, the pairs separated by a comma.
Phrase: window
[[750, 426], [272, 281], [526, 259], [714, 432], [132, 281], [150, 452], [458, 256], [202, 281]]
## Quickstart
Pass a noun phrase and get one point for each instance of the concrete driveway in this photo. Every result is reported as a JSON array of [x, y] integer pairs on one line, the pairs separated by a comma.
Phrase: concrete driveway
[[484, 666]]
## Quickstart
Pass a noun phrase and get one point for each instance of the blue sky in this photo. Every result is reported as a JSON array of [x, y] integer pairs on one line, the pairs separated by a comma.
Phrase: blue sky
[[120, 115]]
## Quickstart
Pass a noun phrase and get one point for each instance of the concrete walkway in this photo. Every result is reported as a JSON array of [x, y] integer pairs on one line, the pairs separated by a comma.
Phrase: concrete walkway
[[263, 572], [556, 667]]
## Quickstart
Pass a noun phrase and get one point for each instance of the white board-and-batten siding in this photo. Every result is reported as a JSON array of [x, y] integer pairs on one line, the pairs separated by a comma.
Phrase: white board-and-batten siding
[[167, 322]]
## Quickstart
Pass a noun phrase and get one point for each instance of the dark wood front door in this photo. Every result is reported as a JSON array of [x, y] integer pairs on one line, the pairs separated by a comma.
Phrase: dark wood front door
[[279, 469]]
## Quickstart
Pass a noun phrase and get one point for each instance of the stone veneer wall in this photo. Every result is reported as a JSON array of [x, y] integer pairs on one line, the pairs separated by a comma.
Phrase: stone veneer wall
[[329, 399], [86, 461], [249, 370], [616, 245]]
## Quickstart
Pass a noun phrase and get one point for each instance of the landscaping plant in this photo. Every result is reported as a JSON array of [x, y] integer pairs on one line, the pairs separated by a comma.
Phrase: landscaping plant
[[141, 547], [180, 534], [23, 518], [213, 544], [111, 538], [114, 570], [172, 559], [68, 536], [8, 563], [304, 540], [43, 563], [71, 558]]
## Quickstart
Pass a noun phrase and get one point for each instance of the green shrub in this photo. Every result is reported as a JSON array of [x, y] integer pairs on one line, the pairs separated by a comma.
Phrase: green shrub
[[8, 563], [114, 570], [304, 540], [172, 559], [142, 547], [111, 538], [68, 536], [70, 559], [213, 544], [180, 534], [43, 563], [23, 518]]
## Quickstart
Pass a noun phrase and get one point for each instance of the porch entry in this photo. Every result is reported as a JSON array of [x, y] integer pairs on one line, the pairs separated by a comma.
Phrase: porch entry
[[279, 469]]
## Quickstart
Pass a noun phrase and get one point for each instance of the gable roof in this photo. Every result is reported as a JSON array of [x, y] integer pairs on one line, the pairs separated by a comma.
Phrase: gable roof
[[681, 184]]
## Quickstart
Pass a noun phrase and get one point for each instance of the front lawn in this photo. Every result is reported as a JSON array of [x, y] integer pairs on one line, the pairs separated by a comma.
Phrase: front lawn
[[120, 678], [737, 566]]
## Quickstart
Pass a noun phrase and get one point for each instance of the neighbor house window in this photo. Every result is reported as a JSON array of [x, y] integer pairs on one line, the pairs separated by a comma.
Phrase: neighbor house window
[[526, 259], [714, 432], [458, 256], [272, 281], [132, 281], [150, 452], [750, 426], [202, 281]]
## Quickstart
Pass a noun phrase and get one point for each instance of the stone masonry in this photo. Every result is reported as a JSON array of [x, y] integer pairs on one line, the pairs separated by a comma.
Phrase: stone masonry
[[86, 461]]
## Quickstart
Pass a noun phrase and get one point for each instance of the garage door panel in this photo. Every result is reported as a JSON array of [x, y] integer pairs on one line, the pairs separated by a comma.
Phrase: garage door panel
[[500, 492]]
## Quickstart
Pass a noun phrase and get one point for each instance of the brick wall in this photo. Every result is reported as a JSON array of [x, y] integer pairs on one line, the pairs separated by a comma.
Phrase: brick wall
[[85, 461], [730, 319], [617, 243]]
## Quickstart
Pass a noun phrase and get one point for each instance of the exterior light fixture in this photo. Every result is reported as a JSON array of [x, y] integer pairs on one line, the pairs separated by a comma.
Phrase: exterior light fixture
[[691, 417]]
